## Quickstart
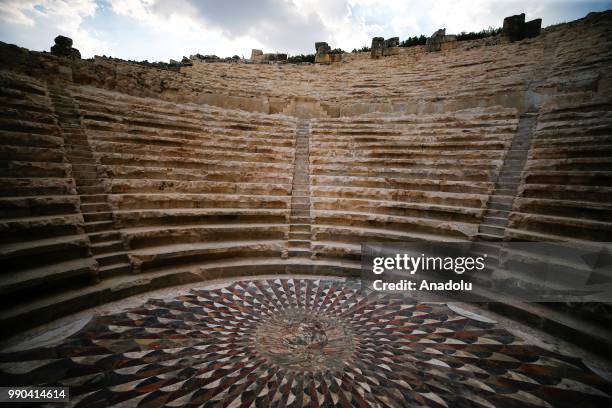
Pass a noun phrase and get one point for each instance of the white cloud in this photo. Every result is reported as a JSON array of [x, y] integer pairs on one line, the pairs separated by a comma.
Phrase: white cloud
[[42, 20]]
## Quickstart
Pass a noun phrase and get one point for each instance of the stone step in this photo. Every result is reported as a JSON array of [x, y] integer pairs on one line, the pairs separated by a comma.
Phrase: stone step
[[300, 235], [88, 182], [509, 180], [505, 192], [510, 173], [80, 156], [97, 216], [105, 236], [497, 221], [492, 230], [99, 226], [496, 213], [300, 213], [90, 190], [582, 332], [506, 185], [109, 271], [488, 237], [500, 206], [299, 252], [299, 228], [105, 247], [95, 207], [84, 167], [299, 220], [299, 243], [93, 198], [76, 142], [501, 199], [300, 206], [300, 200], [85, 175], [112, 258]]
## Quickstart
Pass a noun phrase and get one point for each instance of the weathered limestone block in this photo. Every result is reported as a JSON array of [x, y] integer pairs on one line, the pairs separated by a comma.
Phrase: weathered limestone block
[[515, 28], [273, 57], [378, 44], [533, 28], [256, 55], [323, 53], [63, 48], [439, 41], [391, 46]]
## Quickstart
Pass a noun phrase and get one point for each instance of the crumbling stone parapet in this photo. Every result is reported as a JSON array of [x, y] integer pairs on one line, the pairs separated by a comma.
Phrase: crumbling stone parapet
[[383, 48], [256, 55], [378, 44], [439, 41], [325, 55], [63, 48], [516, 29]]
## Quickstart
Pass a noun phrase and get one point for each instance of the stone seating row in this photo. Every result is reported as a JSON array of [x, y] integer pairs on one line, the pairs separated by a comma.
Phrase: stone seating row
[[43, 245], [426, 177], [188, 183], [566, 188]]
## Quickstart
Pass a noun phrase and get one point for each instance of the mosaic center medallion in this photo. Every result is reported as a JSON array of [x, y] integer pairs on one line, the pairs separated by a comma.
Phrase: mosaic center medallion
[[305, 340]]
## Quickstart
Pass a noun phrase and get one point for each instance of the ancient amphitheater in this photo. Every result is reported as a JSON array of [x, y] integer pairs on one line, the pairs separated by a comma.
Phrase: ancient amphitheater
[[213, 217]]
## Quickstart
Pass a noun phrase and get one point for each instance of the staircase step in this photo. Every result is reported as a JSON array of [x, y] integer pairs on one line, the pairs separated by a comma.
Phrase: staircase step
[[300, 206], [93, 198], [497, 221], [297, 243], [90, 190], [105, 236], [497, 213], [488, 237], [109, 271], [112, 258], [300, 213], [509, 180], [300, 252], [99, 226], [85, 175], [84, 167], [492, 230], [105, 247], [97, 216], [95, 207], [87, 182], [505, 192], [300, 200], [501, 199], [299, 228], [299, 220], [500, 206], [299, 235], [506, 185]]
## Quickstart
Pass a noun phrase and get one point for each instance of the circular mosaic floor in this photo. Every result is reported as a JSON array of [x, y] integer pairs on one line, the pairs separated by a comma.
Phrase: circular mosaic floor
[[302, 343]]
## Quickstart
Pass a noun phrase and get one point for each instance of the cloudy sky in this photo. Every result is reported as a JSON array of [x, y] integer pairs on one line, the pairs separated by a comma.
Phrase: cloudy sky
[[164, 29]]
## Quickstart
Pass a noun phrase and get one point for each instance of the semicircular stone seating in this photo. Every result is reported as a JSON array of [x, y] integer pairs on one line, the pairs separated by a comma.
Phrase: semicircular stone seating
[[118, 179]]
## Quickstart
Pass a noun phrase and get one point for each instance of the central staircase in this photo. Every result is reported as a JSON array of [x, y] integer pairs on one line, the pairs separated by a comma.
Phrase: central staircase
[[106, 244], [299, 225], [496, 215]]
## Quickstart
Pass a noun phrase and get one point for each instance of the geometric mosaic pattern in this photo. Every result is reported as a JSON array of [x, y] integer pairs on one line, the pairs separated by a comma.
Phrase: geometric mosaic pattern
[[302, 343]]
